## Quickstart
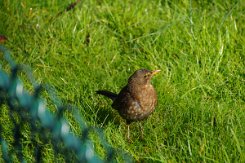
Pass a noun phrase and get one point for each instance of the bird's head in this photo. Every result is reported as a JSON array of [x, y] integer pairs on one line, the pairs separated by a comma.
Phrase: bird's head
[[142, 76]]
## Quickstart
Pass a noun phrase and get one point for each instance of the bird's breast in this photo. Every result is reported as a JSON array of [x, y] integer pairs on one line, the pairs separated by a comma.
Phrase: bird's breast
[[142, 104]]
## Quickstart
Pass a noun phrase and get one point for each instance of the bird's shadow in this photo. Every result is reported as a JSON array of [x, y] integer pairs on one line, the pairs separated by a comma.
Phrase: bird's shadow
[[106, 115]]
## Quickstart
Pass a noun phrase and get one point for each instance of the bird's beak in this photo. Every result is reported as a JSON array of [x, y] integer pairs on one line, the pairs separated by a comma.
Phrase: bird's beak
[[154, 72]]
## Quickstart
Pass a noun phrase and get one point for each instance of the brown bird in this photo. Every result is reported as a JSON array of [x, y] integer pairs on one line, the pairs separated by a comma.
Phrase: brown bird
[[137, 100]]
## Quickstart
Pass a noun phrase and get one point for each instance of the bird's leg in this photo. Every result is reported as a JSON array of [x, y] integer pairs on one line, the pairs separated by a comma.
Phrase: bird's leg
[[128, 133], [128, 130], [142, 131]]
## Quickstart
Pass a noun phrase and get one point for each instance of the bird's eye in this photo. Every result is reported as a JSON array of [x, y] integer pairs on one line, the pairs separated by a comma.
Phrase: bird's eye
[[146, 75]]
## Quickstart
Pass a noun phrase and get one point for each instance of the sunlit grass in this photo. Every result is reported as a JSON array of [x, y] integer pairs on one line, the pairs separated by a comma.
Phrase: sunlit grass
[[198, 46]]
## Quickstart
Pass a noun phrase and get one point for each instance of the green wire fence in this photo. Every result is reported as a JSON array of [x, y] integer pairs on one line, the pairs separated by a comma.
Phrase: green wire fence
[[28, 109]]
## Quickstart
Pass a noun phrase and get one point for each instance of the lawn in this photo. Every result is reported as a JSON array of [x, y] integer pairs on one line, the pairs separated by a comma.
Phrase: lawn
[[199, 46]]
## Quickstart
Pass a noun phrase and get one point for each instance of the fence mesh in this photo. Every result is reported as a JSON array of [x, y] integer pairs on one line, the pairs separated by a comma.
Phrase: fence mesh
[[30, 130]]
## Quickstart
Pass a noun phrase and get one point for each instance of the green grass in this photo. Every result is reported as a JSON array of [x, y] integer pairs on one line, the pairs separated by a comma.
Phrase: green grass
[[199, 46]]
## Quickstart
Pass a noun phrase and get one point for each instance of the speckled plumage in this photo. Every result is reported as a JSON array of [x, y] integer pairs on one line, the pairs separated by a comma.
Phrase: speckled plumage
[[137, 100]]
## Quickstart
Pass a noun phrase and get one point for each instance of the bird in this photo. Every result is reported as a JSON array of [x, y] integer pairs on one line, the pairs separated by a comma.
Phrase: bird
[[137, 100]]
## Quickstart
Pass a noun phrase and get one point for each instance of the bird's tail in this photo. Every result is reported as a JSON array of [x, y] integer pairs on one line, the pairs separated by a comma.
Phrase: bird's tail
[[109, 94]]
